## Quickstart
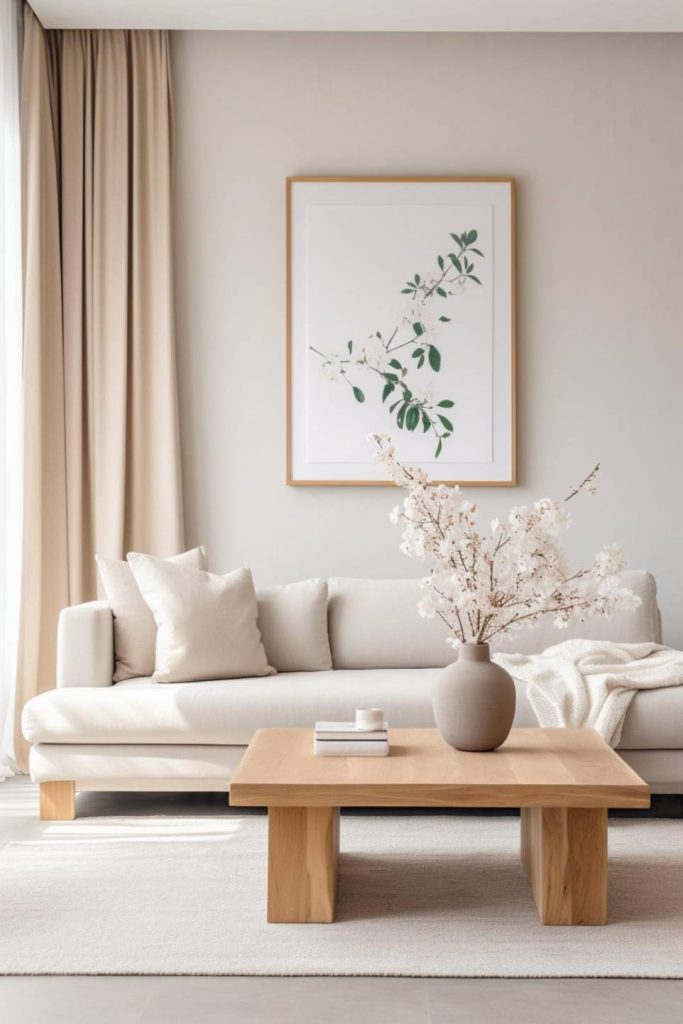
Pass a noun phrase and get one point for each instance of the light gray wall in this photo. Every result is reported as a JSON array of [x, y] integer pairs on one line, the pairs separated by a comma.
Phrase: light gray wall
[[591, 127]]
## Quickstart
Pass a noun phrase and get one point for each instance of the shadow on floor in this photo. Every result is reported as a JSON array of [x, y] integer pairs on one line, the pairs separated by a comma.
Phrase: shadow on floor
[[94, 804]]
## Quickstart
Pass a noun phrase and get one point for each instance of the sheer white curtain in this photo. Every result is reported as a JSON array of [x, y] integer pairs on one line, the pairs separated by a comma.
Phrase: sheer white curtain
[[11, 15]]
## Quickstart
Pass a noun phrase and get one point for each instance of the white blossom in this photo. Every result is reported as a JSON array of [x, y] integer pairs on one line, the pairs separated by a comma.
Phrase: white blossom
[[486, 584], [609, 562], [422, 313], [333, 367], [427, 605], [429, 396], [374, 353]]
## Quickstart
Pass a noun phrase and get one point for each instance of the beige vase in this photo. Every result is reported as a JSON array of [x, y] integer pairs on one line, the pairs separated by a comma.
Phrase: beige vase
[[474, 700]]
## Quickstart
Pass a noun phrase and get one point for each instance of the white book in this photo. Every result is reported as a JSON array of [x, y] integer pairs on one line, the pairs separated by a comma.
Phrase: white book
[[353, 737], [348, 730], [351, 748]]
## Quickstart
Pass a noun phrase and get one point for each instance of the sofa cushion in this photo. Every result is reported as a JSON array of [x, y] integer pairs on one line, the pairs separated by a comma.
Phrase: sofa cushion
[[225, 711], [206, 624], [375, 624], [229, 712], [639, 626], [293, 623], [135, 630]]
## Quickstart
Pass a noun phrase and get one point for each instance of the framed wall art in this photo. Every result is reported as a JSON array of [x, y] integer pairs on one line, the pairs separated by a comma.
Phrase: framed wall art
[[401, 321]]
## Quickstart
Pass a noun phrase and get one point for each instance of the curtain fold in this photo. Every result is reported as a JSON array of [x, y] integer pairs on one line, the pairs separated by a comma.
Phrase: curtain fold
[[102, 453]]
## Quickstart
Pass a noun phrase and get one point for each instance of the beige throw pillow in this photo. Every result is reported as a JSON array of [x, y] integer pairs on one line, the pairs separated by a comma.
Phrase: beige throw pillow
[[135, 631], [292, 619], [206, 624]]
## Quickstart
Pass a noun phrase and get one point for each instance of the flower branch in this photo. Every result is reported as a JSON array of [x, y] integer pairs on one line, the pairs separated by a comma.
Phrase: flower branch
[[485, 584], [422, 321]]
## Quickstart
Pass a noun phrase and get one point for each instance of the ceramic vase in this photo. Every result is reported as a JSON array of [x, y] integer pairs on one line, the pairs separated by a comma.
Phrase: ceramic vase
[[474, 700]]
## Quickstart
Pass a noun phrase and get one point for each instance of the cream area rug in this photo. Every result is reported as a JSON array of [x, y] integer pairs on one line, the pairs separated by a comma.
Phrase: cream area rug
[[441, 896]]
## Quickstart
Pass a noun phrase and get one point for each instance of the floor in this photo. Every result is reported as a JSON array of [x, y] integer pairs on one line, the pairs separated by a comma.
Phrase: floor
[[195, 1000]]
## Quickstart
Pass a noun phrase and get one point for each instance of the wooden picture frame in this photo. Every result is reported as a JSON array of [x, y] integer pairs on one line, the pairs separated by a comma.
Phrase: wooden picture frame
[[375, 221]]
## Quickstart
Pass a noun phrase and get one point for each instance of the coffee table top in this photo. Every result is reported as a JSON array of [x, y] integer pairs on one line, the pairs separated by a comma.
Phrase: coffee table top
[[533, 768]]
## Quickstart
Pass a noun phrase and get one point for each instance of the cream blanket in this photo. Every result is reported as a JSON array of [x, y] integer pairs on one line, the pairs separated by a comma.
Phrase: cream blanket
[[592, 682]]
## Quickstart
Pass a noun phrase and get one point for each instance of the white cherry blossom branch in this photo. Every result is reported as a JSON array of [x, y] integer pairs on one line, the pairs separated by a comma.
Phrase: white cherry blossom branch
[[485, 584]]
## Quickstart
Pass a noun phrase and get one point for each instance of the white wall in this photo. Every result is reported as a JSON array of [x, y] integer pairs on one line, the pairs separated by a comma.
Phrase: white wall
[[591, 127]]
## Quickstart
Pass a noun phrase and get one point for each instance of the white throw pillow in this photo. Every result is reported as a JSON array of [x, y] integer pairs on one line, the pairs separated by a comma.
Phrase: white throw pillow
[[135, 631], [292, 619], [206, 624]]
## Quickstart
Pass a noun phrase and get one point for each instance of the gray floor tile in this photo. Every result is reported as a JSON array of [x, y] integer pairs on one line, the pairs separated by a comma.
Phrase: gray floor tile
[[122, 1000], [288, 1001], [562, 1001], [101, 1000]]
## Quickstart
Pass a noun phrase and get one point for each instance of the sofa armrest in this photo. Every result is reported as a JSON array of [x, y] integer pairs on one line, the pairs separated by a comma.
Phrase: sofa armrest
[[85, 645]]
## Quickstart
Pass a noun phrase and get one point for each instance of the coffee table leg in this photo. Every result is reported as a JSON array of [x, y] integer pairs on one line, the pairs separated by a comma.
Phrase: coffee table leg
[[564, 850], [303, 849]]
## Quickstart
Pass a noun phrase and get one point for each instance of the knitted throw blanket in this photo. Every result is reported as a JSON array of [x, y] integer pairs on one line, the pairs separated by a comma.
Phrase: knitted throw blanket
[[591, 683]]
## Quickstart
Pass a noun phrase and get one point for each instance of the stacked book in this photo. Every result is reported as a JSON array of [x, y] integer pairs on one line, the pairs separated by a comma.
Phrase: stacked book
[[345, 739]]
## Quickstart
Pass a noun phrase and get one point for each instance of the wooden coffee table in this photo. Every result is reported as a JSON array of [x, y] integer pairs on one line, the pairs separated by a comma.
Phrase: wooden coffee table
[[562, 779]]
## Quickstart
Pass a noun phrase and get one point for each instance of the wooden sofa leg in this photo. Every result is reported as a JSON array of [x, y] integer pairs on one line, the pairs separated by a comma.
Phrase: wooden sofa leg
[[57, 801]]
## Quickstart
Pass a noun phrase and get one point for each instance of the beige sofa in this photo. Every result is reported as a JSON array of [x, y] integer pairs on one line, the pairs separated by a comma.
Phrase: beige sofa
[[375, 649]]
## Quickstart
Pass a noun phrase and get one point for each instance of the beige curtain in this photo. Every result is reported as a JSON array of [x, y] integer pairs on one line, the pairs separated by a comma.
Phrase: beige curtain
[[102, 464]]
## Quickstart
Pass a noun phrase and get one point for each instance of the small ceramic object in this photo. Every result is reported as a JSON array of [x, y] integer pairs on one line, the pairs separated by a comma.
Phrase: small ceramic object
[[369, 719]]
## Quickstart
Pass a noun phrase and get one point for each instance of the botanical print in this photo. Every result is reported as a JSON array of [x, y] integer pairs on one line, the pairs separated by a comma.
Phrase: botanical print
[[400, 321], [386, 365]]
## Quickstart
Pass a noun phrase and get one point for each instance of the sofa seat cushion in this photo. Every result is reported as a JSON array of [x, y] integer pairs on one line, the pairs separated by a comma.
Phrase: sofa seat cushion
[[225, 711], [230, 711]]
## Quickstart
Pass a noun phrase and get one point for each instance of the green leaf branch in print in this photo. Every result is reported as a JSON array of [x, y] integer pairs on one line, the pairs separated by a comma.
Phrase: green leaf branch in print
[[389, 366]]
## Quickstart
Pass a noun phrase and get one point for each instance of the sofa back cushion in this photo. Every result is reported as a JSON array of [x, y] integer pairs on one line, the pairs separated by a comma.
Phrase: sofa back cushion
[[292, 619], [639, 626], [375, 624]]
